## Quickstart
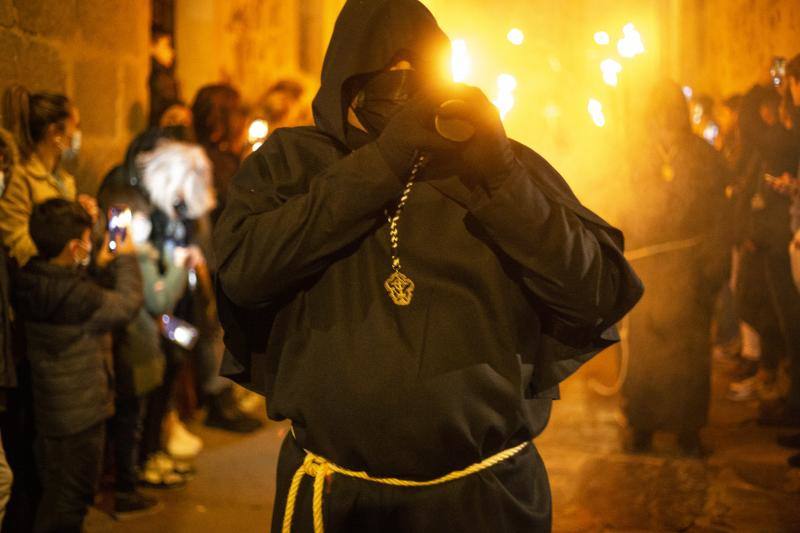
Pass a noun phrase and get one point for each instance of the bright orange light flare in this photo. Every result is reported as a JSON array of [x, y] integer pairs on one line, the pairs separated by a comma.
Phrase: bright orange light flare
[[506, 85], [258, 131], [461, 62]]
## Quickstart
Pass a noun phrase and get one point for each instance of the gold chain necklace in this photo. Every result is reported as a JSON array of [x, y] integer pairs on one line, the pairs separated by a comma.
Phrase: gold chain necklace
[[398, 285]]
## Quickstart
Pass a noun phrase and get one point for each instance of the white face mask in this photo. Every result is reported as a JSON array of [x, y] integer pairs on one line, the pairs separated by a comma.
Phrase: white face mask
[[141, 228], [74, 147]]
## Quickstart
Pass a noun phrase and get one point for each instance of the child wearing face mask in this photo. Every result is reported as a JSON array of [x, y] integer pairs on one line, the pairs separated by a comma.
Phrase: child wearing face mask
[[68, 318], [46, 129]]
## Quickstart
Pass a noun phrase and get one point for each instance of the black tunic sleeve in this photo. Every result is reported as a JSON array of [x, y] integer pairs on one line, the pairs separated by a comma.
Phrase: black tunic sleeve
[[276, 231], [571, 261]]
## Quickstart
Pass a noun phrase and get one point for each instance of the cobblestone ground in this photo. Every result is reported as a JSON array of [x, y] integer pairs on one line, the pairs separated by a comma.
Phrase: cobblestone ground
[[744, 485]]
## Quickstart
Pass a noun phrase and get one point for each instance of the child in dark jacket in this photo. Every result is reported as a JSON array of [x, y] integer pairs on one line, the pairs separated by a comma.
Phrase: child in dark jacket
[[68, 319]]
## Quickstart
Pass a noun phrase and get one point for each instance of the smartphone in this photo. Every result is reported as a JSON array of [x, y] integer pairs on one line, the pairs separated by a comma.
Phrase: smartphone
[[711, 132], [119, 220], [179, 331], [777, 72]]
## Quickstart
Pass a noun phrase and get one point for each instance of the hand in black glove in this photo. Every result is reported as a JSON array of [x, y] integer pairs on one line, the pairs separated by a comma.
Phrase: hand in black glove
[[487, 158], [410, 133]]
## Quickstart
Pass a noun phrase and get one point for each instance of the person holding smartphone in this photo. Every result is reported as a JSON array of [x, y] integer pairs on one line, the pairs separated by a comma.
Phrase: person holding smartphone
[[68, 318]]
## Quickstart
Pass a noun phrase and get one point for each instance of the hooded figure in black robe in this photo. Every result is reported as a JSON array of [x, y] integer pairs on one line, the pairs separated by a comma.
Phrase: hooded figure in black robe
[[517, 284], [678, 231]]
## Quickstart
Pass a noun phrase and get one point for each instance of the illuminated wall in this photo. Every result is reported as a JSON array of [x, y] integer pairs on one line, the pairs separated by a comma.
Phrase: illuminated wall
[[735, 40], [557, 67], [96, 52], [251, 43]]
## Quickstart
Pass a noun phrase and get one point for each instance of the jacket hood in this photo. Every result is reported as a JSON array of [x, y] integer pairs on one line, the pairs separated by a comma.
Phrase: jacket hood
[[55, 295], [368, 35]]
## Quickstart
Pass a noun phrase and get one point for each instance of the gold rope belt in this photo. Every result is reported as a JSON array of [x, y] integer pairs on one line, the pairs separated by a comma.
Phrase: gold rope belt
[[319, 468], [658, 249]]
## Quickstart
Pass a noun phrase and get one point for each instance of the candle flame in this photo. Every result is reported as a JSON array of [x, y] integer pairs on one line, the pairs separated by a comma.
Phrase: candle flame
[[611, 70], [602, 38], [516, 36], [596, 112], [506, 85], [631, 44], [258, 131]]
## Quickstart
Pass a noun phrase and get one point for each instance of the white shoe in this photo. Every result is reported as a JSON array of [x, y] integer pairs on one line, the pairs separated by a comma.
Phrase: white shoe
[[249, 402], [182, 443], [747, 389], [159, 473]]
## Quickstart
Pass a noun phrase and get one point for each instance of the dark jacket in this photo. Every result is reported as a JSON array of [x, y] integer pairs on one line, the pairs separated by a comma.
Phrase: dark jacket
[[163, 88], [8, 373], [138, 357], [68, 320]]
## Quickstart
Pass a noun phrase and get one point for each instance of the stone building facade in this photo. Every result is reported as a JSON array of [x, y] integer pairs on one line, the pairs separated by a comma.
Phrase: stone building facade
[[96, 52]]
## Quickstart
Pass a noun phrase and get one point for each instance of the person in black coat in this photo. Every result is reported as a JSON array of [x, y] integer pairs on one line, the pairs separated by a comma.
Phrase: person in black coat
[[409, 302], [678, 229], [163, 87], [68, 320]]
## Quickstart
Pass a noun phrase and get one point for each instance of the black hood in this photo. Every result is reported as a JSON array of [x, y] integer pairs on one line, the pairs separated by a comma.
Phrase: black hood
[[367, 36]]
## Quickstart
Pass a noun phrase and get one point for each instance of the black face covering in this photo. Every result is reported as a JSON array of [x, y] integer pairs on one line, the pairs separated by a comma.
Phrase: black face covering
[[383, 96]]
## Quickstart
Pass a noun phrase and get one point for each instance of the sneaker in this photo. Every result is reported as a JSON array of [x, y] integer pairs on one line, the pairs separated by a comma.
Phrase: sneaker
[[129, 505], [249, 402], [742, 391], [159, 473], [185, 468], [182, 444], [224, 413]]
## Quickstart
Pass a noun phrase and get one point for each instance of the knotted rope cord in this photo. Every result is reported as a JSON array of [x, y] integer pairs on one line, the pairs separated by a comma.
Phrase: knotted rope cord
[[320, 468]]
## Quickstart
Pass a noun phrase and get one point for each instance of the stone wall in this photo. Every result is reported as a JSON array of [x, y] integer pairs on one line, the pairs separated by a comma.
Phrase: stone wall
[[96, 52], [251, 43], [730, 44]]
